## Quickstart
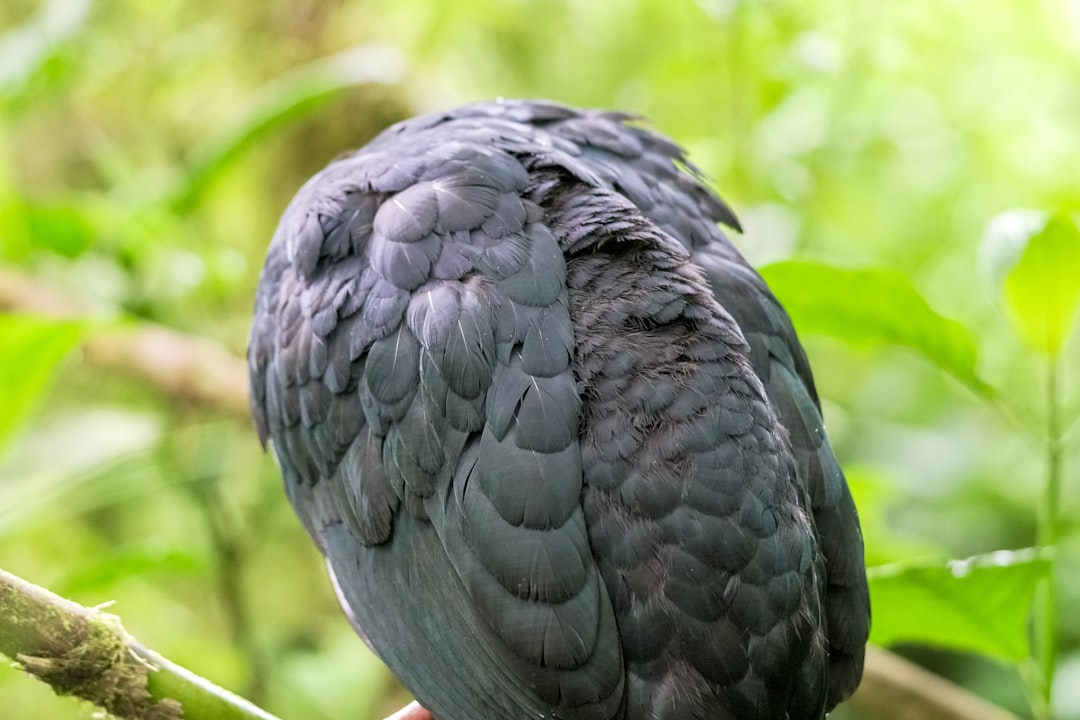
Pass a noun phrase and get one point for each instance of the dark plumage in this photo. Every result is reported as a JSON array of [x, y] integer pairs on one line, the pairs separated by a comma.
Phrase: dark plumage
[[557, 440]]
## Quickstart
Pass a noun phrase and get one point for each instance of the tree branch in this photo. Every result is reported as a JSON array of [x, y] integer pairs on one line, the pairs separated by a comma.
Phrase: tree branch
[[200, 371], [87, 653], [898, 689], [185, 368]]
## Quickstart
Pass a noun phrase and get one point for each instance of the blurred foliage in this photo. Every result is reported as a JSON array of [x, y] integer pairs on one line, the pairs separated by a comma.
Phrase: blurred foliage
[[31, 348], [877, 154]]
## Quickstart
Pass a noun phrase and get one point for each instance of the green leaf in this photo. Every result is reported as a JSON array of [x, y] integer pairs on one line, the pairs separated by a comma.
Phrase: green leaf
[[66, 228], [873, 306], [103, 570], [1042, 286], [979, 605], [30, 349], [1004, 240], [293, 95]]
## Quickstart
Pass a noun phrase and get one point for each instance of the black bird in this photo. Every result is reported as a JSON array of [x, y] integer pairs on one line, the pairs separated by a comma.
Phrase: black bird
[[559, 443]]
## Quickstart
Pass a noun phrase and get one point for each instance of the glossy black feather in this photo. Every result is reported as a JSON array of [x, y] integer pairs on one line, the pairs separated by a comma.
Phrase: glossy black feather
[[558, 442]]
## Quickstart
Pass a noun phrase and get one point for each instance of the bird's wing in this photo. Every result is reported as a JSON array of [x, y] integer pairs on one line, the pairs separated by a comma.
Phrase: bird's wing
[[695, 515], [654, 175], [411, 360], [781, 363]]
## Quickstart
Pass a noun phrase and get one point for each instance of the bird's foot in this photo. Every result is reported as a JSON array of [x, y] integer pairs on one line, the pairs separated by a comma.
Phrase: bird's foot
[[412, 711]]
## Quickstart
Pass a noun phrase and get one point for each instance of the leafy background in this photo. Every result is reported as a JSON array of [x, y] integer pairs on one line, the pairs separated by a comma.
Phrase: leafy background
[[906, 173]]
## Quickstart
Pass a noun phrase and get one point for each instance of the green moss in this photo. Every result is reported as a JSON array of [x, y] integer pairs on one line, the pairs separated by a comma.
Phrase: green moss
[[77, 651]]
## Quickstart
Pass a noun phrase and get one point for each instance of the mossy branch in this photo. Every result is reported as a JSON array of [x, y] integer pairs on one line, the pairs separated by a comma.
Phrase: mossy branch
[[87, 653]]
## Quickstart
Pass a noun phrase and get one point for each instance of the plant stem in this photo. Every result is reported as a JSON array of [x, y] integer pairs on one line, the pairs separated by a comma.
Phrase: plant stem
[[1046, 599], [231, 557]]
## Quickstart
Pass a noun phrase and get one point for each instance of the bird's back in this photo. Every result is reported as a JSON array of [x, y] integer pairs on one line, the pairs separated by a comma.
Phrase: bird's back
[[559, 443]]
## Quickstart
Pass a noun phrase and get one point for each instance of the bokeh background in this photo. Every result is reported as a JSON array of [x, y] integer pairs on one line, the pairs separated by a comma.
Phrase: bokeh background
[[148, 148]]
